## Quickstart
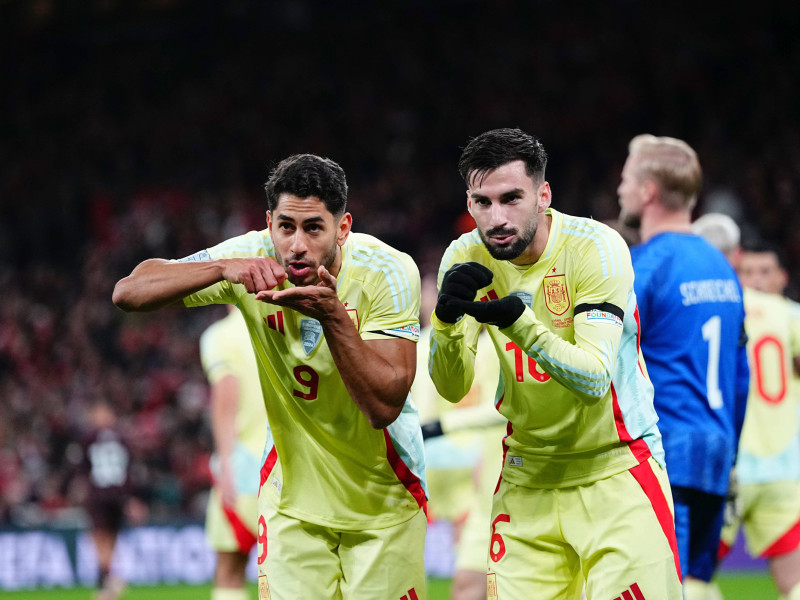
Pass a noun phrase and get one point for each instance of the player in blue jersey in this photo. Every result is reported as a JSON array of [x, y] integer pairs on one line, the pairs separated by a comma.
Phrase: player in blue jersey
[[692, 323]]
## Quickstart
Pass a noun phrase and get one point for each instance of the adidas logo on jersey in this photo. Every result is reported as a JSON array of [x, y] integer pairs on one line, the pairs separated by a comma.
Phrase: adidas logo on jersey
[[275, 322], [632, 593]]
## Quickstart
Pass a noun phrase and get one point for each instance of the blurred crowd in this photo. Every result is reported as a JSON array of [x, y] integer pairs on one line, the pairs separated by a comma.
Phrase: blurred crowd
[[129, 134]]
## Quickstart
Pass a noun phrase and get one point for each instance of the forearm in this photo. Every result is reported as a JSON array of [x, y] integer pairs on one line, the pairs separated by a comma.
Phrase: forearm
[[452, 357], [586, 373], [378, 386], [156, 283], [224, 403]]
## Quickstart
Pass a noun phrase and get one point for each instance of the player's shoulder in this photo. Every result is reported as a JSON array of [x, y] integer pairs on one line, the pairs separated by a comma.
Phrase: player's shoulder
[[467, 247], [252, 243], [371, 254], [229, 329], [379, 267], [766, 303], [586, 235]]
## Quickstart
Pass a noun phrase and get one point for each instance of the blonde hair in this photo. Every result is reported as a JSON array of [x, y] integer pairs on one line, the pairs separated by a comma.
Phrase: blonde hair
[[719, 230], [672, 164]]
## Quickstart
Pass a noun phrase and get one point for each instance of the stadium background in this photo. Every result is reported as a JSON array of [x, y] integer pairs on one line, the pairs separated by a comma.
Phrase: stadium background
[[131, 129]]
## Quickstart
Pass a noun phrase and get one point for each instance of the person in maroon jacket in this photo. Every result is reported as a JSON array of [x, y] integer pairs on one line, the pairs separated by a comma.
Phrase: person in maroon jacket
[[107, 461]]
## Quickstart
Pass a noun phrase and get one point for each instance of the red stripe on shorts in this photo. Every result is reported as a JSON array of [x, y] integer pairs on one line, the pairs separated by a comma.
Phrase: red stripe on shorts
[[267, 467], [509, 431], [723, 551], [788, 542], [244, 538], [637, 592], [643, 473], [404, 474]]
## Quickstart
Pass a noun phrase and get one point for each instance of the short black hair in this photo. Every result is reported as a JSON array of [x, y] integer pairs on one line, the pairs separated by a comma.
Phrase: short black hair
[[760, 245], [305, 175], [498, 147]]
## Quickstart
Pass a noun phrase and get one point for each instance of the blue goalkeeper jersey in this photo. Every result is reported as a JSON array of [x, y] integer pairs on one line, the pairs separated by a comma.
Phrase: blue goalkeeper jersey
[[693, 342]]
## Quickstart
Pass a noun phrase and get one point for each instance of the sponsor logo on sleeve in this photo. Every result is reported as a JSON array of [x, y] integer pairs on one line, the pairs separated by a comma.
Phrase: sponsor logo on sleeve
[[201, 256], [407, 331], [601, 316], [515, 461], [526, 297]]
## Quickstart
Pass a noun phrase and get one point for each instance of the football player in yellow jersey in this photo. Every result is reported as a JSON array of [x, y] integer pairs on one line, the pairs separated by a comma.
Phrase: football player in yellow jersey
[[238, 424], [768, 465], [333, 318], [584, 496], [462, 453]]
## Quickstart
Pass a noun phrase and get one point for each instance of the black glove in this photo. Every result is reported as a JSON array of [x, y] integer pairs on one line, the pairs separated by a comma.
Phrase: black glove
[[432, 429], [502, 312], [461, 282]]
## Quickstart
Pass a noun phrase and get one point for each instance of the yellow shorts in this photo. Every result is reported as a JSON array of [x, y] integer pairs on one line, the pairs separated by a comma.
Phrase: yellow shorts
[[770, 514], [297, 559], [231, 530], [472, 548], [616, 536]]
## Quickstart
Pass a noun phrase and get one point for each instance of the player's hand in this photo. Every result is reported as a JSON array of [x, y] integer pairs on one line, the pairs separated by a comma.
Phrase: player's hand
[[315, 301], [733, 508], [255, 274], [502, 313], [227, 488], [460, 283]]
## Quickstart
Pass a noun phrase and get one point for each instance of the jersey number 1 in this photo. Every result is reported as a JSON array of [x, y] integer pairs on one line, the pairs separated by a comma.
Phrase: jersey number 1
[[712, 333]]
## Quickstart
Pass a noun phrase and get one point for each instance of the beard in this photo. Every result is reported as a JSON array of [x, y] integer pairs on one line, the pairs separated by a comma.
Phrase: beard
[[631, 220], [515, 248], [312, 277]]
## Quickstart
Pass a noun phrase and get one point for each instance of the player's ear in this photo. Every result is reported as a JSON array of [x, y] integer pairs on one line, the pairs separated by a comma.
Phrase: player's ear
[[545, 196], [345, 224], [469, 205], [651, 190], [269, 220]]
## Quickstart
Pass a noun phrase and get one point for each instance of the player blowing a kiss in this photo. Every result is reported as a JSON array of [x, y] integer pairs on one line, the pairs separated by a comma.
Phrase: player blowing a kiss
[[583, 498], [333, 318]]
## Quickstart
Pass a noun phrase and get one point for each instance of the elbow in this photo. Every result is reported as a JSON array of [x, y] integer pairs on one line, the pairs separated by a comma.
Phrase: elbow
[[124, 297], [121, 296], [385, 417]]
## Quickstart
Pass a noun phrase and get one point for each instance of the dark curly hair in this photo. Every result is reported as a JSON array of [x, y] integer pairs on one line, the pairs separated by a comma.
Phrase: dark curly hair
[[305, 175], [498, 147]]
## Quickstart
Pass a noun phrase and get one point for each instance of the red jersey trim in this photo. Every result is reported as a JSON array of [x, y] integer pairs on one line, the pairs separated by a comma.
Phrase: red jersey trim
[[404, 474], [267, 467], [788, 542], [643, 473]]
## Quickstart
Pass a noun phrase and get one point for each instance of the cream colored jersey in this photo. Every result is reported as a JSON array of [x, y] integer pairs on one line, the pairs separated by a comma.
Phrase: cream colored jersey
[[225, 349], [326, 464], [573, 386], [769, 449]]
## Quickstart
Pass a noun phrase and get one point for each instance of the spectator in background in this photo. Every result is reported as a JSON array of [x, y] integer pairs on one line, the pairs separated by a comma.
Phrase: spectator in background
[[108, 461], [239, 426], [693, 342], [768, 466]]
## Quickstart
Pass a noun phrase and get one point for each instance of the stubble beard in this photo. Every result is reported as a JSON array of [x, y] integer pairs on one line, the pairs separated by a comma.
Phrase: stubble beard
[[514, 249], [631, 220], [313, 277]]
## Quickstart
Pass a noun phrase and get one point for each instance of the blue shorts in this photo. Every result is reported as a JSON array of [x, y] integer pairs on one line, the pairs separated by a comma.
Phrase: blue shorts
[[698, 524]]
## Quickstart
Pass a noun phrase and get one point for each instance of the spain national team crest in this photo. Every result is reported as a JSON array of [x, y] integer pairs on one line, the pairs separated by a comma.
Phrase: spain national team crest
[[310, 334], [556, 297]]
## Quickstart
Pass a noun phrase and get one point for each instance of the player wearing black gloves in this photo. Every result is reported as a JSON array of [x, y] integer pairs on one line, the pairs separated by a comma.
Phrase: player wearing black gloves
[[457, 294]]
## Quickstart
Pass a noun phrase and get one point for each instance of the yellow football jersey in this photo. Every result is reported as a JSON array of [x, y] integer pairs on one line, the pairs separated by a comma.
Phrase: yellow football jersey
[[225, 349], [769, 449], [573, 385], [333, 469]]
